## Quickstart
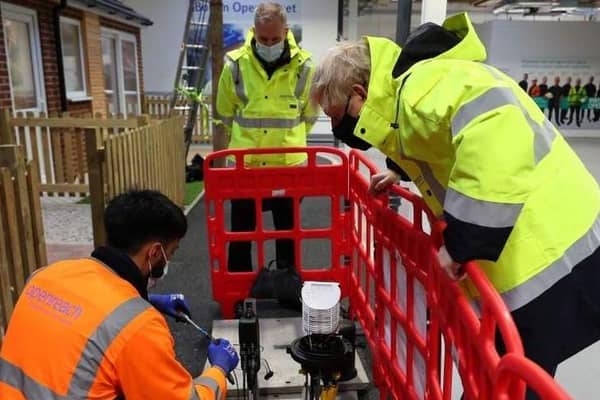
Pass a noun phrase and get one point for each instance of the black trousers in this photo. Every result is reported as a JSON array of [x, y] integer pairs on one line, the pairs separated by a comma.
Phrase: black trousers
[[578, 117], [554, 109], [243, 219], [562, 321]]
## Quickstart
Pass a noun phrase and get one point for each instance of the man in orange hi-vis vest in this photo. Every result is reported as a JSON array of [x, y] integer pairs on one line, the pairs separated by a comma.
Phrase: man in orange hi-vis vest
[[86, 329]]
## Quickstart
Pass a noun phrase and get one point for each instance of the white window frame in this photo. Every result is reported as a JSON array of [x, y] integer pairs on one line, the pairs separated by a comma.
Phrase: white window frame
[[75, 95], [28, 16], [119, 37]]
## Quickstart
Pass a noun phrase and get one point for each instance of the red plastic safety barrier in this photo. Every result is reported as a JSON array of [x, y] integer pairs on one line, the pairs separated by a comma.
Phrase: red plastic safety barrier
[[422, 330], [240, 182]]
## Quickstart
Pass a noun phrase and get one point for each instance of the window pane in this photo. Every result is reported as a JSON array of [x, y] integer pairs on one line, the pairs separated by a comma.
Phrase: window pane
[[108, 60], [20, 64], [131, 103], [129, 70], [72, 57]]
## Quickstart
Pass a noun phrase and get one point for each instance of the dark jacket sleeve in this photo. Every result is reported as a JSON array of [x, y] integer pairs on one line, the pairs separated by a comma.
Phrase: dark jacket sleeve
[[390, 164], [466, 241]]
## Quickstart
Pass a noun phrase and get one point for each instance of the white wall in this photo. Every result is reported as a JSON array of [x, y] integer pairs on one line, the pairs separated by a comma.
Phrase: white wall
[[542, 47], [161, 41]]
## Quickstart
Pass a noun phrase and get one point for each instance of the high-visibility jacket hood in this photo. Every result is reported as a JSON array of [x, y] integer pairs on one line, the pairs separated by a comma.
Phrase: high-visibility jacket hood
[[455, 39], [391, 65]]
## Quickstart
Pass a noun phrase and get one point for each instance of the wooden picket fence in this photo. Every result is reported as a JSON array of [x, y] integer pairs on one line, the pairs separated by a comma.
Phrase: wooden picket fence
[[158, 107], [149, 157], [22, 243], [57, 143]]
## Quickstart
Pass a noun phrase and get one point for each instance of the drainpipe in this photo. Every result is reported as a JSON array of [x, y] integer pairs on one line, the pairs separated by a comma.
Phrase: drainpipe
[[62, 88], [340, 21]]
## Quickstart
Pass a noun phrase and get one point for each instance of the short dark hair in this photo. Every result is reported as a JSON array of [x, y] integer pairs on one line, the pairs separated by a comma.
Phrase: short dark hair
[[137, 217]]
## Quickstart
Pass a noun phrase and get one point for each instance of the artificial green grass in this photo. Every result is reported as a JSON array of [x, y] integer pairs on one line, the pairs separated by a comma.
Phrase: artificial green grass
[[192, 190]]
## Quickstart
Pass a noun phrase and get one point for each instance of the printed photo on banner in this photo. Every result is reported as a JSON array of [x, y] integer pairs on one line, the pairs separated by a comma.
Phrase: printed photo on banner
[[566, 90]]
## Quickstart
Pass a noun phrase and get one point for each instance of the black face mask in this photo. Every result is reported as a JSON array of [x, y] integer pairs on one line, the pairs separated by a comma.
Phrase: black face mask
[[344, 131]]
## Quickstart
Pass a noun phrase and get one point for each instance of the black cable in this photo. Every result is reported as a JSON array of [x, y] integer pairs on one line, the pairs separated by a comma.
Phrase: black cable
[[270, 372]]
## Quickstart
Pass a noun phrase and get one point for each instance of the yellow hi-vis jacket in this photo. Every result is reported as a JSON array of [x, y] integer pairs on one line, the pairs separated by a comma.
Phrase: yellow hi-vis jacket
[[260, 112], [515, 196]]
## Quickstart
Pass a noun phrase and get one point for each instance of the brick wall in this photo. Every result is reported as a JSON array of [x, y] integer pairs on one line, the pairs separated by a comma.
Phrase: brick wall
[[95, 69], [119, 26]]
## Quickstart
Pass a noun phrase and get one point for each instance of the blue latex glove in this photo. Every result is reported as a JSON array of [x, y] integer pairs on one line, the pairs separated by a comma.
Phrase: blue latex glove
[[170, 304], [222, 354]]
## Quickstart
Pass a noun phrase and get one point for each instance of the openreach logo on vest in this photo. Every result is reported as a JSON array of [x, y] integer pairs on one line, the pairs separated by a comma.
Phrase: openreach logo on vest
[[53, 305]]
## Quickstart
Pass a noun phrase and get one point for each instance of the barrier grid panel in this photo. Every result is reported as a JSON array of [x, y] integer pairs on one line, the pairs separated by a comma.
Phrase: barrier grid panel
[[423, 332]]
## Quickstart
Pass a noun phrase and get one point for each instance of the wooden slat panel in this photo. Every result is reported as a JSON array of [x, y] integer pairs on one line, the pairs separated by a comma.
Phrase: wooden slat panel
[[145, 158], [81, 188], [23, 214], [59, 174], [68, 156], [46, 149], [71, 122], [132, 160], [39, 240], [80, 146], [121, 168], [110, 171], [126, 162], [139, 157], [7, 301], [15, 261]]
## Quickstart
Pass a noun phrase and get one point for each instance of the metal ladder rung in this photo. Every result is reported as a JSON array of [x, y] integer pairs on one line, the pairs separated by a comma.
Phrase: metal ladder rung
[[199, 23], [182, 108], [190, 67], [195, 46]]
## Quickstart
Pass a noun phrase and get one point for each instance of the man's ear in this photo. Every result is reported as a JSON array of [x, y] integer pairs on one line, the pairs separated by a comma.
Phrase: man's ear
[[360, 90]]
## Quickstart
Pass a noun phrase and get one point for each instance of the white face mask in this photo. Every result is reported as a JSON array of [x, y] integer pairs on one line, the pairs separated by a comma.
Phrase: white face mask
[[152, 281], [270, 53]]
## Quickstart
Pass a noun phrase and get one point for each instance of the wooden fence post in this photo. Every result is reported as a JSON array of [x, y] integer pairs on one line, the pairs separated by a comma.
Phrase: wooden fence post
[[95, 158], [6, 133]]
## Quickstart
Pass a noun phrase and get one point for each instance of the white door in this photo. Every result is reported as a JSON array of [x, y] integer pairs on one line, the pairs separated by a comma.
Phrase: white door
[[121, 80], [25, 73]]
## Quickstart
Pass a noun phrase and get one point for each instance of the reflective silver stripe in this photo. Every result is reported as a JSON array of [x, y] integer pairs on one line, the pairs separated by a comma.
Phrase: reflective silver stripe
[[434, 185], [227, 120], [301, 84], [479, 212], [194, 394], [310, 120], [266, 122], [494, 98], [238, 80], [544, 136], [15, 377], [97, 344], [209, 383], [538, 284]]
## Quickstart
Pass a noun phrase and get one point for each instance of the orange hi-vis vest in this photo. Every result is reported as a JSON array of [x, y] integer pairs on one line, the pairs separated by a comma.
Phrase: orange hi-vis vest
[[79, 331]]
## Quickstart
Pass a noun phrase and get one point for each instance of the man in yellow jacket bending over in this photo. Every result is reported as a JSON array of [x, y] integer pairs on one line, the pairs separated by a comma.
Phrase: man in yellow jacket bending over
[[87, 329], [263, 101], [514, 195]]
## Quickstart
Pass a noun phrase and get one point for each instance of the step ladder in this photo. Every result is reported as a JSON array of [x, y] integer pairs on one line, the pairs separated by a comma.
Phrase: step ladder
[[191, 68]]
